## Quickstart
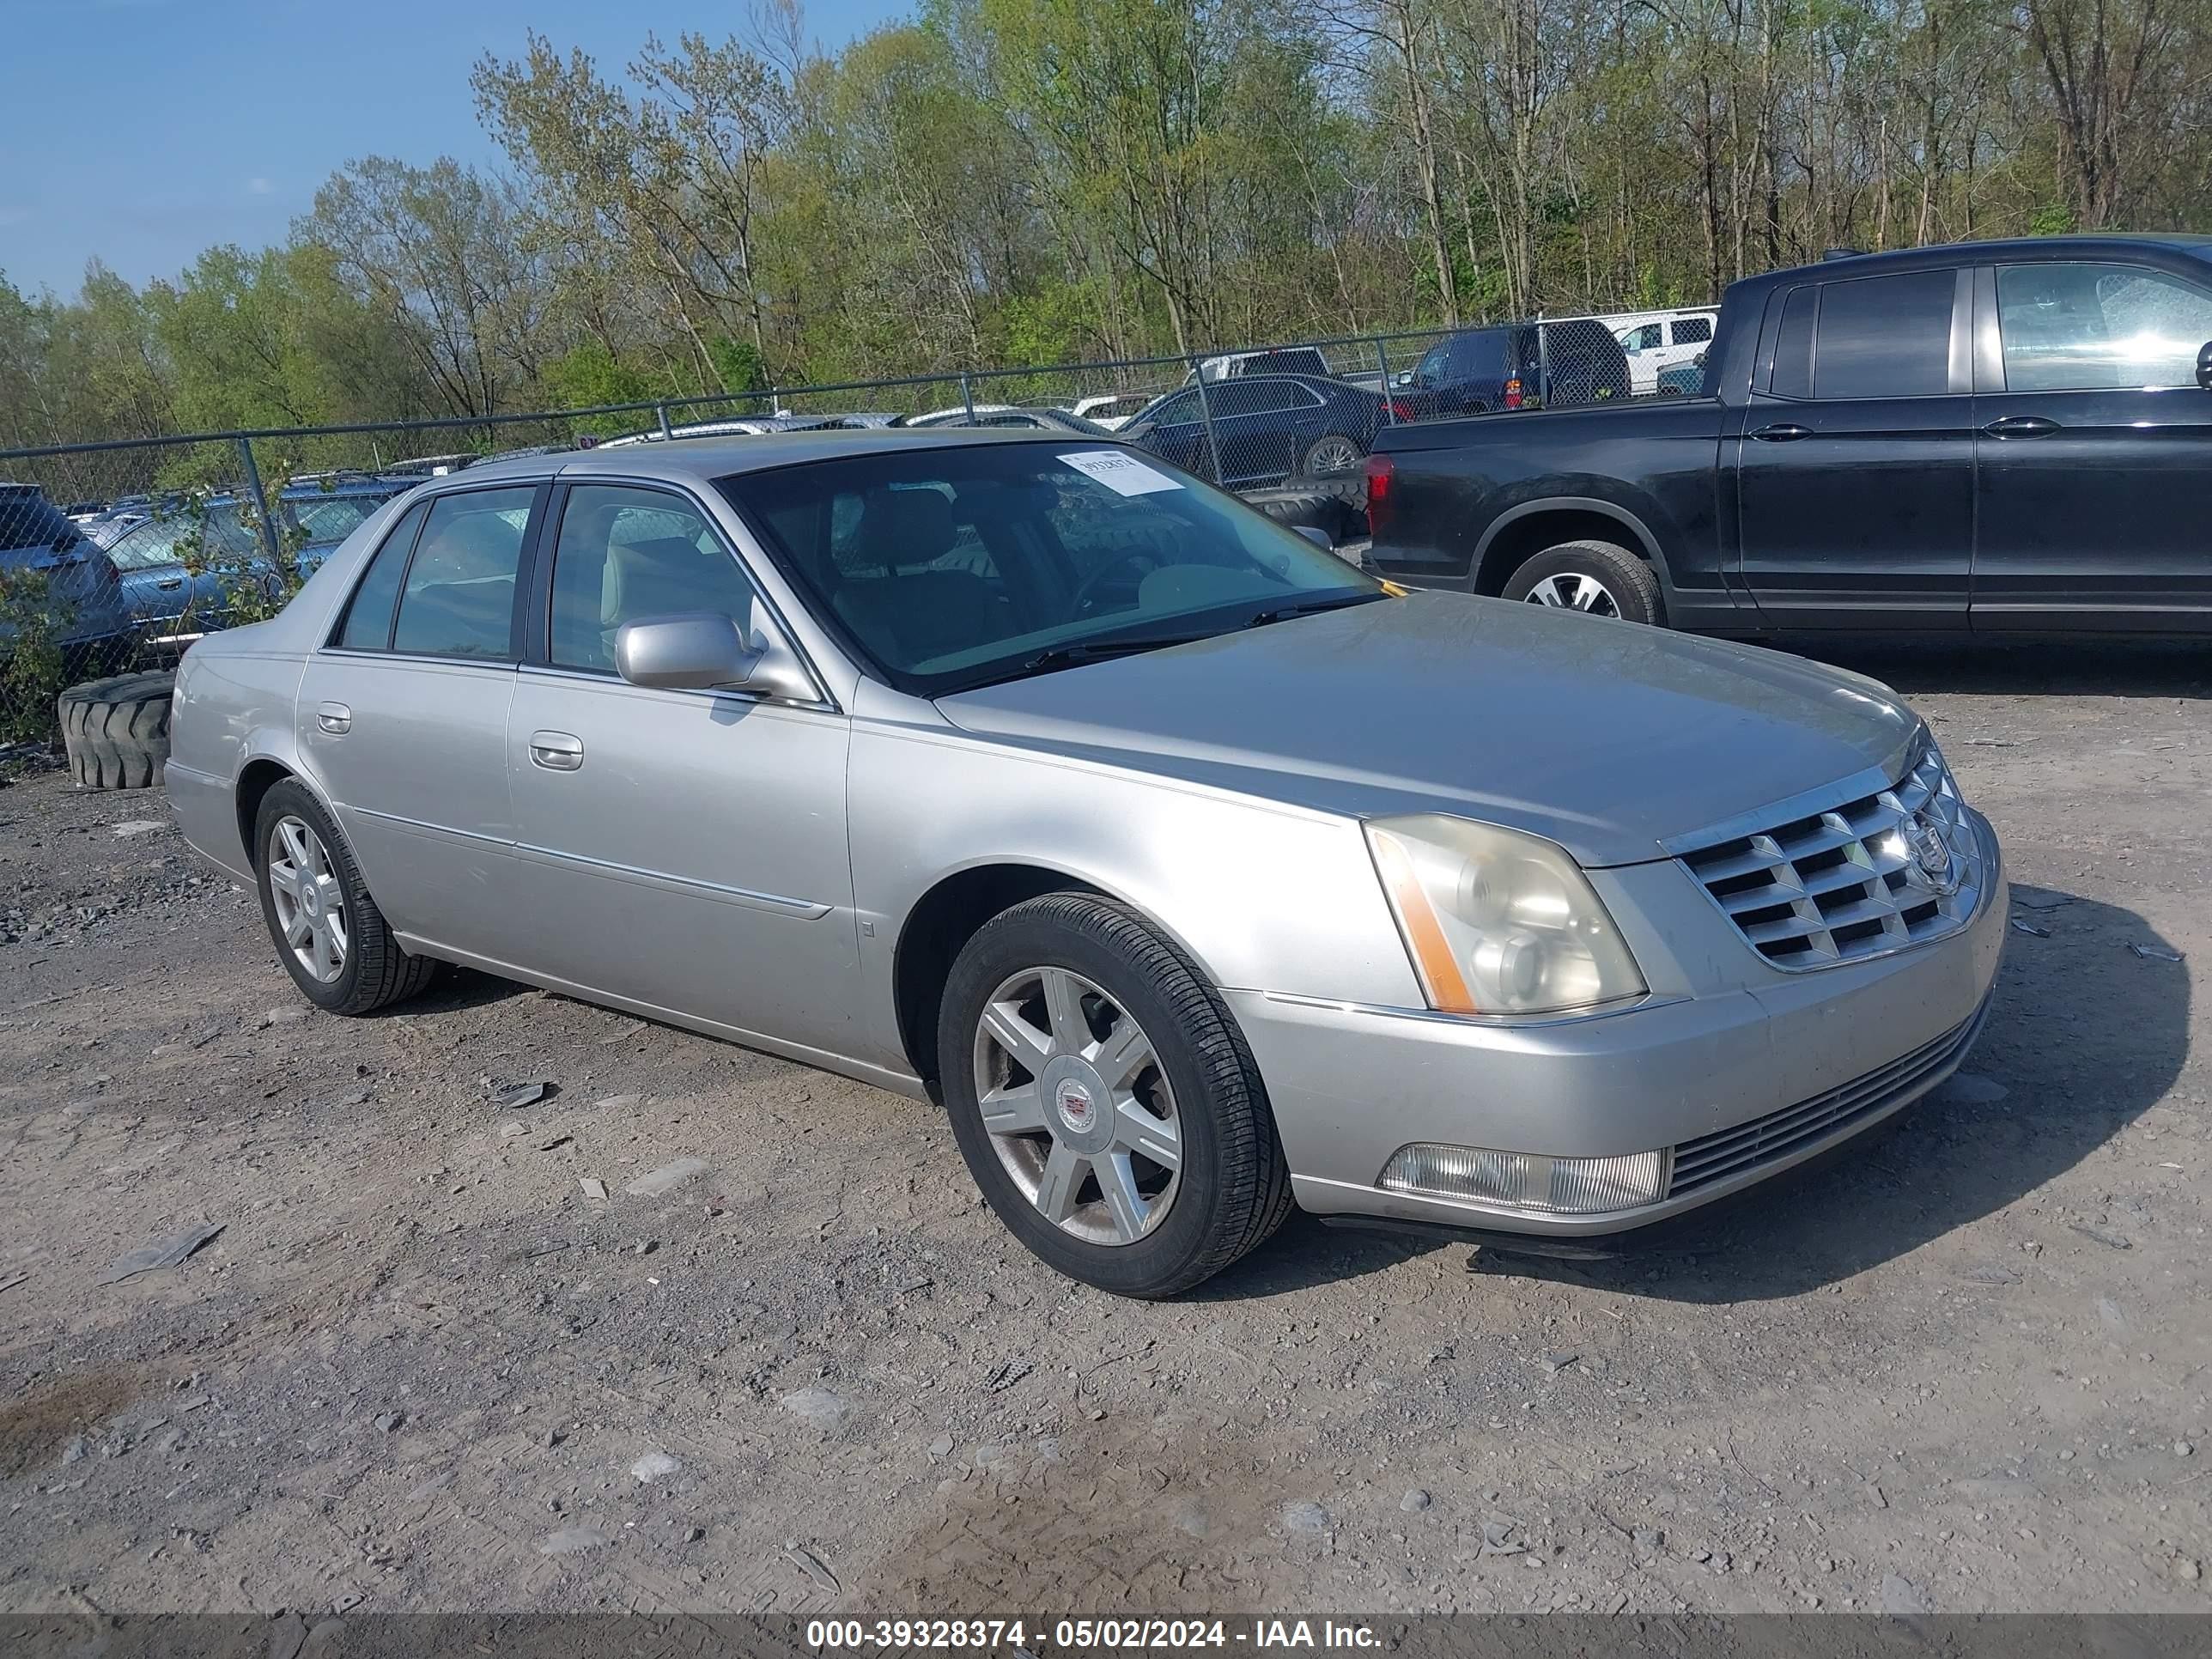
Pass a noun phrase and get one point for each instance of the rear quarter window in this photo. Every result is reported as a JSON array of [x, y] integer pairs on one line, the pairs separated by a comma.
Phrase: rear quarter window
[[29, 520]]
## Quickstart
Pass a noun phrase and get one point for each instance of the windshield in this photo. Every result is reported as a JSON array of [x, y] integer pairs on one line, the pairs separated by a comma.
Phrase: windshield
[[949, 567]]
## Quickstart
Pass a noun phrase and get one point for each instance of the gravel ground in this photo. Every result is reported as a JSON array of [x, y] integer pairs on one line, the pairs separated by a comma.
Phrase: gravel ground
[[1961, 1367]]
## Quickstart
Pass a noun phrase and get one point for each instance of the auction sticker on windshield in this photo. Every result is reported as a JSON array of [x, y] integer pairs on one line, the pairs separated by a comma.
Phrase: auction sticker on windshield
[[1123, 474]]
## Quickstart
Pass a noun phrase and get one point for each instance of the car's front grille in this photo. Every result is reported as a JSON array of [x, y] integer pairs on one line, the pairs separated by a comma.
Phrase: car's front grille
[[1886, 870], [1729, 1152]]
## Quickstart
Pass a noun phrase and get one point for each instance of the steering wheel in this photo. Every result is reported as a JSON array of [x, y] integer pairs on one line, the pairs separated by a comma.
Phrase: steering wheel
[[1097, 579]]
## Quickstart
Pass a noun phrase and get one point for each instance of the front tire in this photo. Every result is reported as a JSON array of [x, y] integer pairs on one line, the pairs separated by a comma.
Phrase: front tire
[[1596, 578], [329, 934], [1104, 1100], [1335, 456]]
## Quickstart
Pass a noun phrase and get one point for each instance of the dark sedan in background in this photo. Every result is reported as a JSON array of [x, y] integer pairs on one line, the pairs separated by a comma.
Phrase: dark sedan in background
[[1269, 428]]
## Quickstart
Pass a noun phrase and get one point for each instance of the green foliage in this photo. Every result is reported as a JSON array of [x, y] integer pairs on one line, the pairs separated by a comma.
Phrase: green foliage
[[995, 182], [32, 673]]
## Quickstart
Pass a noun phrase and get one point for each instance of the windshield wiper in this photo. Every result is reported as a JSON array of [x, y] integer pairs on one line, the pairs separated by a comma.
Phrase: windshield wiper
[[1277, 613], [1083, 651]]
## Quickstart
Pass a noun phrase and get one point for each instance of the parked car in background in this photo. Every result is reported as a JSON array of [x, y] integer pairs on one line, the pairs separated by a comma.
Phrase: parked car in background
[[1544, 365], [1272, 360], [315, 515], [1683, 379], [54, 581], [1269, 428], [1111, 411], [1655, 341], [736, 425], [2006, 436], [1008, 418], [1237, 885]]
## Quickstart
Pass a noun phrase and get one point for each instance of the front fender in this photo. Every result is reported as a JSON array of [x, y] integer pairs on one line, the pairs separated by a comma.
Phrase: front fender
[[1261, 897]]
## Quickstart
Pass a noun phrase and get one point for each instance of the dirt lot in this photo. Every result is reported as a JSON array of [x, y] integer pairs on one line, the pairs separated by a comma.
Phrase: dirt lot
[[1963, 1367]]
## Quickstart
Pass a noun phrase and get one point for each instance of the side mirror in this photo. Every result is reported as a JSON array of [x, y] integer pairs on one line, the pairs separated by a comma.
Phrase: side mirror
[[1317, 535], [705, 651], [2204, 366]]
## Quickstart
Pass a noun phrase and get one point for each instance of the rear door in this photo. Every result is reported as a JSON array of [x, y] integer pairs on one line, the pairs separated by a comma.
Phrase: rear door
[[1262, 426], [402, 716], [1854, 464], [2094, 487]]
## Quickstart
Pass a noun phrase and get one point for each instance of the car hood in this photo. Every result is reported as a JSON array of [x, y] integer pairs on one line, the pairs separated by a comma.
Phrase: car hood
[[1605, 737]]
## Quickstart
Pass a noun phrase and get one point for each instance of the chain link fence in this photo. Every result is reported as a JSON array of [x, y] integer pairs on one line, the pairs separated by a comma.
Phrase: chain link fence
[[115, 557]]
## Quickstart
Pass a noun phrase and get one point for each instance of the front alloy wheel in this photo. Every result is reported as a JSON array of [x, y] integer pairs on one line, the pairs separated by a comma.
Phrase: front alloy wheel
[[1103, 1098], [1079, 1113]]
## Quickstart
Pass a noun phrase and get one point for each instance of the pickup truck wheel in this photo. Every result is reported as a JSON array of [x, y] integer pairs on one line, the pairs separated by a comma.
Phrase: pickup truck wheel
[[1104, 1100], [1596, 577]]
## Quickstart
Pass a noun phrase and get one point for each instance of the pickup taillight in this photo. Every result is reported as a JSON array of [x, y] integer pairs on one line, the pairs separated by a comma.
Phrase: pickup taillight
[[1380, 471], [1513, 394]]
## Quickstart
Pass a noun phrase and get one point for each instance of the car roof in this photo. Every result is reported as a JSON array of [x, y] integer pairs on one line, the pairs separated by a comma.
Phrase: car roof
[[1842, 266], [703, 459]]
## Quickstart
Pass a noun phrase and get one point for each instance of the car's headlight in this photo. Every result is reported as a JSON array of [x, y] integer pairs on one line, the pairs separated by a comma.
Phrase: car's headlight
[[1496, 921]]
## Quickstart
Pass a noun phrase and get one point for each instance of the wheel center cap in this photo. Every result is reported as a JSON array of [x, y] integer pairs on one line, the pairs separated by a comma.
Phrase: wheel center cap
[[1082, 1107], [311, 899], [1076, 1108]]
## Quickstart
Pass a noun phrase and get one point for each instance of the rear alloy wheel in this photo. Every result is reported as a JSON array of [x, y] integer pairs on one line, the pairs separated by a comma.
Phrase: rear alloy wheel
[[1595, 578], [329, 934], [1331, 457], [1104, 1099]]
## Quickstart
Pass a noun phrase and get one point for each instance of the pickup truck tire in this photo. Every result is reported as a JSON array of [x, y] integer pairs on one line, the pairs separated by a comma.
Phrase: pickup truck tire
[[1599, 578], [116, 731]]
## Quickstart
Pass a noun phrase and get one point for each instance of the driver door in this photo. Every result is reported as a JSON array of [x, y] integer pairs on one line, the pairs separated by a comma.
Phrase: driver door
[[679, 850]]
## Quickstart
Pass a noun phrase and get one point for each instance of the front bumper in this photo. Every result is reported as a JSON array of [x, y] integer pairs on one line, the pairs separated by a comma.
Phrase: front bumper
[[1747, 1083]]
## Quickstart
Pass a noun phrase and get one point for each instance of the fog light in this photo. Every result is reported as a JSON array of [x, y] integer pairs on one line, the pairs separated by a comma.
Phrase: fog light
[[1528, 1181]]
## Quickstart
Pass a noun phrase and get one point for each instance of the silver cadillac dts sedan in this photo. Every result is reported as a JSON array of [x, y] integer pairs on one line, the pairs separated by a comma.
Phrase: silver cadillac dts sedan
[[1194, 873]]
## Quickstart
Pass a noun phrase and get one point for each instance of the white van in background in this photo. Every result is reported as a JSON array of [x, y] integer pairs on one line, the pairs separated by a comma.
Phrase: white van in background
[[1656, 340]]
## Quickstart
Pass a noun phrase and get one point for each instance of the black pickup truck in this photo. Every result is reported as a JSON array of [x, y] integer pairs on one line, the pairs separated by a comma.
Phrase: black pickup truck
[[2011, 435]]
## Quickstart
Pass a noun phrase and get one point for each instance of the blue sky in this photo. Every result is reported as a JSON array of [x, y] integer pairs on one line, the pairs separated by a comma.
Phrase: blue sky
[[145, 130]]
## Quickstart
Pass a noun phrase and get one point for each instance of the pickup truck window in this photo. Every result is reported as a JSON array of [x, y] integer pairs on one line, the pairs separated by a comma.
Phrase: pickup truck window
[[2081, 327], [1884, 337]]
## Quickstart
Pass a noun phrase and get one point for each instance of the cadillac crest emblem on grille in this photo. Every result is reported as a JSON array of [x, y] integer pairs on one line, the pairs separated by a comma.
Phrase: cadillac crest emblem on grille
[[1931, 851]]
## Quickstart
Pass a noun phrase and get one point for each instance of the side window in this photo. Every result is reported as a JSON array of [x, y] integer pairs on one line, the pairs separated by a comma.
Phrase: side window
[[625, 553], [336, 519], [1431, 370], [1693, 330], [1178, 409], [367, 625], [1641, 339], [2078, 327], [459, 598], [1793, 346], [1884, 337], [1255, 397]]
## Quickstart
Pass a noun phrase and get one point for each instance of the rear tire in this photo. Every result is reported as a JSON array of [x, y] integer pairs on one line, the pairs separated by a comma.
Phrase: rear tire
[[1335, 456], [373, 971], [116, 731], [1599, 578], [1228, 1189]]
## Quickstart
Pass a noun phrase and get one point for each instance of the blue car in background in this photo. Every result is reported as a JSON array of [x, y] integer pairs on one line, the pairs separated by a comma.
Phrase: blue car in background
[[73, 594], [316, 515]]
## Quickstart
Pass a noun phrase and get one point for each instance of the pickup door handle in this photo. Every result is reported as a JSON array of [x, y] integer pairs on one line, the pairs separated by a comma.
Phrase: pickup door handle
[[1783, 431], [334, 718], [2021, 426], [557, 751]]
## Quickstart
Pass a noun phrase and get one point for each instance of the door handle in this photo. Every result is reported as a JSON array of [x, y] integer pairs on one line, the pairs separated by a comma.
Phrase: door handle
[[557, 751], [1783, 431], [2021, 426], [334, 718], [170, 584]]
